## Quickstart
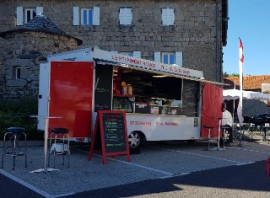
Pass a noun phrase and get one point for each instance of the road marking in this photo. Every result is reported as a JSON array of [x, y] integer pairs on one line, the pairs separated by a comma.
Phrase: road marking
[[245, 163], [140, 166], [251, 150], [136, 165], [175, 175], [64, 195], [206, 156], [30, 186]]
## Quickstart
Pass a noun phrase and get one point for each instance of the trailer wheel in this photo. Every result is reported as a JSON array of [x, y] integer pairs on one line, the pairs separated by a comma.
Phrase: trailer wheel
[[134, 140]]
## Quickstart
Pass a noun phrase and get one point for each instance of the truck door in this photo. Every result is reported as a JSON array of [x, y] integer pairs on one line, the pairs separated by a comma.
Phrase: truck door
[[71, 93], [44, 73]]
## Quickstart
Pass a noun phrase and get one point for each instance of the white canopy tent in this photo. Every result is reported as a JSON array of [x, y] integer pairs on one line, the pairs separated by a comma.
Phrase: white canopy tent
[[233, 94]]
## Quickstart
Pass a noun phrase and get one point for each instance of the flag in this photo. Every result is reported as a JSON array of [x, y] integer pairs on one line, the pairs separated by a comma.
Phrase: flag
[[241, 55], [241, 60]]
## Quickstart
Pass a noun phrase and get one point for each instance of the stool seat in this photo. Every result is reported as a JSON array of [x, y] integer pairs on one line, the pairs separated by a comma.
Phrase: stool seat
[[59, 130], [16, 130], [59, 142], [11, 145]]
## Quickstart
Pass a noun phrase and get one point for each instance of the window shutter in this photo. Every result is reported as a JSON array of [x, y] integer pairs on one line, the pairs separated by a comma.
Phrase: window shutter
[[19, 15], [39, 10], [96, 16], [137, 54], [178, 59], [128, 16], [122, 16], [157, 57], [170, 16], [164, 16], [76, 18], [125, 16]]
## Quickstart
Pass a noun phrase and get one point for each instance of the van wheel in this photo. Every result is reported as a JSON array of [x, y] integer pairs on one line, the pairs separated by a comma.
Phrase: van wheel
[[134, 140]]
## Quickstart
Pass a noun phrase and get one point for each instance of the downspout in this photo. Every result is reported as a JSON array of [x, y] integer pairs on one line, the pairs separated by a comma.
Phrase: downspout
[[217, 41]]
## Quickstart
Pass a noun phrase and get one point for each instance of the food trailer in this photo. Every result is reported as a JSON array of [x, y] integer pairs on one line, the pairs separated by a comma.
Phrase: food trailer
[[162, 102]]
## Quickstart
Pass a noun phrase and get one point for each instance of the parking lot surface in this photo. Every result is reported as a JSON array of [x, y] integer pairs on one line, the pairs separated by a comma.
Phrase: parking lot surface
[[157, 161]]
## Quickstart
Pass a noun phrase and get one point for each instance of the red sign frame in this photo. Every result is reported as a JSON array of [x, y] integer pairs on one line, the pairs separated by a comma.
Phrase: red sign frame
[[99, 128]]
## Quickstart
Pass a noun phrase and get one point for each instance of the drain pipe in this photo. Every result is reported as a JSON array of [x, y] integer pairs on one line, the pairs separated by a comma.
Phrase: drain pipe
[[217, 41]]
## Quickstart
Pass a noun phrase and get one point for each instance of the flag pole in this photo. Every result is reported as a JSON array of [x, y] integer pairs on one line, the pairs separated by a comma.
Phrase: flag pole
[[240, 105]]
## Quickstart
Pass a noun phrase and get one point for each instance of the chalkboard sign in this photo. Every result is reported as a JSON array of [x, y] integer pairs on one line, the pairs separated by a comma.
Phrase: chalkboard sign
[[103, 87], [111, 133]]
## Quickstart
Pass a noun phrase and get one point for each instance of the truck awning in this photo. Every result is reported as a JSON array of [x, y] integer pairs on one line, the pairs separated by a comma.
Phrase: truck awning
[[165, 74]]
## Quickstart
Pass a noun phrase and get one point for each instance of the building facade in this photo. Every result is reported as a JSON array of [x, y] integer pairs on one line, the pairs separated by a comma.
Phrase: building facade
[[188, 33]]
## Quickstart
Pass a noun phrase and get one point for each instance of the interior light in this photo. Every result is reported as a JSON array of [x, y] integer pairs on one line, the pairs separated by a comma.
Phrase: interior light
[[159, 76]]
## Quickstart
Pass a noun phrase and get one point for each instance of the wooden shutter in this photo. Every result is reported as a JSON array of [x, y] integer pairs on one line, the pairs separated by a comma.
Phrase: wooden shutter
[[96, 16], [19, 15], [168, 16], [125, 16], [178, 59], [39, 10], [164, 16], [76, 19], [157, 57]]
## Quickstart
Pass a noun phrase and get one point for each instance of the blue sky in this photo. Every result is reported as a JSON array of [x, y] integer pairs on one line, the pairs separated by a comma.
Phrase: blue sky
[[249, 20]]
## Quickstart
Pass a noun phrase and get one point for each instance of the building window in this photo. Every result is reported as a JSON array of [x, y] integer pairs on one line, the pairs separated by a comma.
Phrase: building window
[[86, 17], [168, 58], [16, 73], [167, 16], [126, 53], [135, 54], [125, 16], [26, 14], [29, 14]]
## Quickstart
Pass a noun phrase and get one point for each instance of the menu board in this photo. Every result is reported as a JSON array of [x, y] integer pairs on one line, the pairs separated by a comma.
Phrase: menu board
[[103, 87], [114, 132], [111, 133]]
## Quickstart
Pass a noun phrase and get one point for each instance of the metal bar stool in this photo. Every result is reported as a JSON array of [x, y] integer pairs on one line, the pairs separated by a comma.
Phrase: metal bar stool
[[59, 142], [209, 136], [14, 149]]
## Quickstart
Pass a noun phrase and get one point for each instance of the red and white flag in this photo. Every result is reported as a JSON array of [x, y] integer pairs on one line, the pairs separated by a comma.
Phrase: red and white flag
[[241, 55], [241, 60]]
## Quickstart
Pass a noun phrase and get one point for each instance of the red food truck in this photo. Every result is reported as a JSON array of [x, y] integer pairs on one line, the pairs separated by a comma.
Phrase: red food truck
[[162, 102]]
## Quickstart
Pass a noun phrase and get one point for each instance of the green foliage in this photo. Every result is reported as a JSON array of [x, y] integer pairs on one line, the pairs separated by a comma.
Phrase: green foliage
[[17, 113], [226, 74]]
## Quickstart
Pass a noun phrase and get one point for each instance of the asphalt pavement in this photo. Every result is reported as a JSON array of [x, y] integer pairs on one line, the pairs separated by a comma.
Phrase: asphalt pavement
[[234, 181], [172, 169]]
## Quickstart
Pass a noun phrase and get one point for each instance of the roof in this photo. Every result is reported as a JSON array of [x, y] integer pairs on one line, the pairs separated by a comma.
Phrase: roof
[[40, 23], [249, 82]]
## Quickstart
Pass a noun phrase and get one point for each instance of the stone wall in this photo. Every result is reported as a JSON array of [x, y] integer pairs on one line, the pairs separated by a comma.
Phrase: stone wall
[[194, 32], [27, 50], [2, 50]]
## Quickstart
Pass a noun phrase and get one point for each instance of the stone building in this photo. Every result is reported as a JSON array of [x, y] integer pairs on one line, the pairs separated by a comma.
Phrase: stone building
[[24, 48], [189, 33]]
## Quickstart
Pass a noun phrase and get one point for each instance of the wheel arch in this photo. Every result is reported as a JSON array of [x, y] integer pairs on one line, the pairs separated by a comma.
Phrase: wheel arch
[[143, 137]]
